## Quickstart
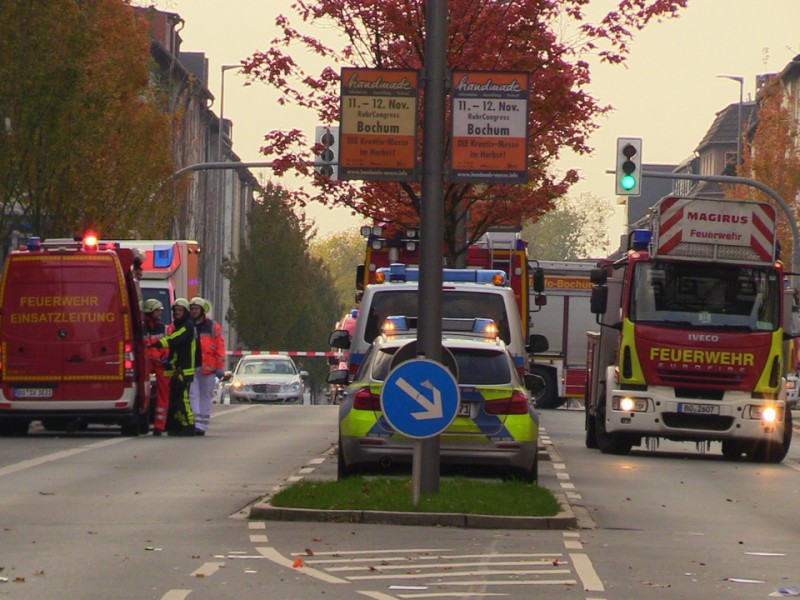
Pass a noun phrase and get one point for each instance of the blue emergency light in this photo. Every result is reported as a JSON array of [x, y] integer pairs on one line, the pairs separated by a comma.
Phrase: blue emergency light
[[641, 239]]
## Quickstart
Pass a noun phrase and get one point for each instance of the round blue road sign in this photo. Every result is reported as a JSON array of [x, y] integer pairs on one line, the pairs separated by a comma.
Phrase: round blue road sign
[[420, 398]]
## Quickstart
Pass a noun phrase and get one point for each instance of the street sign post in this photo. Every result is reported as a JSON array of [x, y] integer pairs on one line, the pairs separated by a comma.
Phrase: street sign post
[[419, 399]]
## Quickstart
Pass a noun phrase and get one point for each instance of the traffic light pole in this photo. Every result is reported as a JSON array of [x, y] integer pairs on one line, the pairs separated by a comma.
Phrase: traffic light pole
[[752, 183], [426, 452]]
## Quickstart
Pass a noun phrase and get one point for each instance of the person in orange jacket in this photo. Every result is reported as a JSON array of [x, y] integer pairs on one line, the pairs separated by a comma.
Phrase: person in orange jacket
[[154, 330], [212, 363]]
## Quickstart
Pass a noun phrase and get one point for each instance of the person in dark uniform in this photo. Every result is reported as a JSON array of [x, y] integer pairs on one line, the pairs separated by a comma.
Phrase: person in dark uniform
[[184, 355]]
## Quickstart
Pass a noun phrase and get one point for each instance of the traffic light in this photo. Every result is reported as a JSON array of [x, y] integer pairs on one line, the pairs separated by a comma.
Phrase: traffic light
[[629, 166], [326, 162]]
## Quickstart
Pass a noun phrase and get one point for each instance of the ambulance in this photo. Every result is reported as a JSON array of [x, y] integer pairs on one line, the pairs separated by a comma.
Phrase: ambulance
[[71, 349]]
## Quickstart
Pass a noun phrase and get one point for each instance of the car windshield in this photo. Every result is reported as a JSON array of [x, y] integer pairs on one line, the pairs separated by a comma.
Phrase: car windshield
[[719, 296], [455, 305], [265, 367], [475, 367]]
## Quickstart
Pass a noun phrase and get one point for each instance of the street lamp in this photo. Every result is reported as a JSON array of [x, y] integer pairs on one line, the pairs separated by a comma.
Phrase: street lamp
[[223, 68], [739, 122]]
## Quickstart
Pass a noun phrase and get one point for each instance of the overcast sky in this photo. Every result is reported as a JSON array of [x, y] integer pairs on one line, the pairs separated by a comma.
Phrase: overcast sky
[[668, 94]]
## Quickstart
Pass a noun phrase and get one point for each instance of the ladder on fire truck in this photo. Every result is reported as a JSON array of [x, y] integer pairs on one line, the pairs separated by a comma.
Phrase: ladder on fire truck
[[501, 239]]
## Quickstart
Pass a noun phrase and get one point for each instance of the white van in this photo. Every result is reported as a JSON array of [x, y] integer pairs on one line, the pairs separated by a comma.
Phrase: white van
[[474, 295]]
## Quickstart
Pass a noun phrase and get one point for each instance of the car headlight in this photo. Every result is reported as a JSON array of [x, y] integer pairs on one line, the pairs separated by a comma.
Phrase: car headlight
[[292, 388], [237, 385]]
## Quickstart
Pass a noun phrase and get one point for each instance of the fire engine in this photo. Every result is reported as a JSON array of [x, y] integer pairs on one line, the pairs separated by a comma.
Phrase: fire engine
[[564, 320], [692, 340]]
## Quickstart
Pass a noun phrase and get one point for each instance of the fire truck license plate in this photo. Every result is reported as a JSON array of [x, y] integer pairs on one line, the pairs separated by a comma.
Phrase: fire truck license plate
[[33, 393], [698, 409]]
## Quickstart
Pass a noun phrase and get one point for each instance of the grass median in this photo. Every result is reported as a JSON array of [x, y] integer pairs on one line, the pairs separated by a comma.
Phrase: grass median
[[456, 495]]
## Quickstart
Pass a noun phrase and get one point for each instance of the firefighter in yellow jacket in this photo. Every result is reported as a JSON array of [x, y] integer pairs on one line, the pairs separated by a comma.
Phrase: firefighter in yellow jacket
[[212, 363], [183, 359]]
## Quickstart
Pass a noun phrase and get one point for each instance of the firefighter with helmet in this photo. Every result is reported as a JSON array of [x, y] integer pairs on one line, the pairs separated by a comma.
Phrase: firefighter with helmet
[[212, 363], [184, 356], [157, 356]]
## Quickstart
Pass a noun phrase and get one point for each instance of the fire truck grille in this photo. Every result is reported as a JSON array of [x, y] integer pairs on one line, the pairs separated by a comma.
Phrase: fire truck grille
[[266, 388], [688, 379], [704, 422], [721, 253]]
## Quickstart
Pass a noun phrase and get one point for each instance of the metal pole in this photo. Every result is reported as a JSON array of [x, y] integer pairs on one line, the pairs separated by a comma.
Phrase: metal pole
[[740, 80], [223, 68], [432, 216]]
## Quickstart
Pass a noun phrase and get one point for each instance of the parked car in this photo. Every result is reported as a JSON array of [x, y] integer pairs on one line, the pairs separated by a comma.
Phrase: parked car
[[496, 424], [267, 378]]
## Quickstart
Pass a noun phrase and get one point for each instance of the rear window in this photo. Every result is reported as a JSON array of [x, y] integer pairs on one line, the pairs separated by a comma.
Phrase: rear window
[[455, 304], [475, 367]]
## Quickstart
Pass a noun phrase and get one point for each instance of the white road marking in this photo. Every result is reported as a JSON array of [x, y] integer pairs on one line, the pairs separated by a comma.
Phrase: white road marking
[[35, 462], [257, 525], [259, 539], [568, 486], [449, 565], [562, 476], [547, 555], [442, 574], [355, 552], [316, 461], [585, 570], [208, 569], [452, 595], [306, 470], [573, 545], [483, 583], [176, 595], [279, 559]]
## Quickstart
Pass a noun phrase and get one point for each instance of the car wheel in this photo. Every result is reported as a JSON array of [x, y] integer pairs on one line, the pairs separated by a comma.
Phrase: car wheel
[[342, 468]]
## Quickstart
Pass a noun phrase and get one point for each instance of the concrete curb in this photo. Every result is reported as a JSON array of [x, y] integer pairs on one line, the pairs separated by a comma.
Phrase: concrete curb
[[565, 519]]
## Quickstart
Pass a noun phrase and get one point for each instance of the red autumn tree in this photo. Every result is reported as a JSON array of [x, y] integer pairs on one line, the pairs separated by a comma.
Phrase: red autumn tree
[[771, 157], [550, 39]]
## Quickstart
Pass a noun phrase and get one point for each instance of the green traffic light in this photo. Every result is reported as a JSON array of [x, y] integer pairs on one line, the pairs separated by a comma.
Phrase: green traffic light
[[628, 182]]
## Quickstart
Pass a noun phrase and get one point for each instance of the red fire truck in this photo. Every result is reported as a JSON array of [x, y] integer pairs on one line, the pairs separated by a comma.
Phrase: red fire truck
[[692, 342]]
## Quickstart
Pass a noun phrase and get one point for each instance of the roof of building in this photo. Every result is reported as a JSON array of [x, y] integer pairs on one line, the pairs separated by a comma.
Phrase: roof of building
[[724, 128]]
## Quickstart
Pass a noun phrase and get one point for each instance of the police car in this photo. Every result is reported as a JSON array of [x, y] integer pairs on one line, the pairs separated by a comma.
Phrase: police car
[[496, 424]]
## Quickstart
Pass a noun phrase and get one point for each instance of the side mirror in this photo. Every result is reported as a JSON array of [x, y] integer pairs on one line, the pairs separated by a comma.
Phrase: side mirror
[[538, 343], [535, 383], [538, 279], [303, 374], [338, 377], [599, 300], [598, 276], [339, 338], [333, 361], [227, 376]]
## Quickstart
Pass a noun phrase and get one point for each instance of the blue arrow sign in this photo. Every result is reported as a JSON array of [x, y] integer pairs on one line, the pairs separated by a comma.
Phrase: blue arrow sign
[[420, 398]]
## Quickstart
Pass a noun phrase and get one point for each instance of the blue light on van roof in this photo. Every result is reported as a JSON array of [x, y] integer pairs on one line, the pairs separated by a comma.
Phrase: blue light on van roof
[[34, 243], [163, 257], [400, 272]]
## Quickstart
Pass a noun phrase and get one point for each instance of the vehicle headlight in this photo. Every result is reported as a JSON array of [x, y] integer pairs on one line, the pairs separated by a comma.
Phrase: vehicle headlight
[[237, 385], [769, 414], [292, 388], [628, 403]]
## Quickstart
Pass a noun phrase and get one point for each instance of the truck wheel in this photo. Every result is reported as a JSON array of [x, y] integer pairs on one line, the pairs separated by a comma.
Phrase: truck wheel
[[610, 443], [766, 452], [549, 397], [732, 449], [591, 433], [17, 427]]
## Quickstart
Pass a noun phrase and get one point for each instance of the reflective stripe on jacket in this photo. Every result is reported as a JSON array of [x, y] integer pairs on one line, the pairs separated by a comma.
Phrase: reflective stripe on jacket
[[212, 346]]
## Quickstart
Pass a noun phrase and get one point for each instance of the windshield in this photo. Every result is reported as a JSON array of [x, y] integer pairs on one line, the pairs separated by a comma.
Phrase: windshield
[[266, 367], [455, 305], [725, 296], [475, 367]]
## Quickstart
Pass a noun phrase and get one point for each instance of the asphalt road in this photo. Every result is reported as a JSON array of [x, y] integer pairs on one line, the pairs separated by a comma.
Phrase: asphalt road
[[100, 516]]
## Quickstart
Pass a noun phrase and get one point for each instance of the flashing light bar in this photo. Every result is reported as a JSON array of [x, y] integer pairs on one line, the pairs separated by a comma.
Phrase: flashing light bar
[[396, 324], [400, 272]]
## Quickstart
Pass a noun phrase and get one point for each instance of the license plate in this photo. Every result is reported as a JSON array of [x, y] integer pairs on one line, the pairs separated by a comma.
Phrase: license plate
[[33, 393], [698, 409], [463, 409]]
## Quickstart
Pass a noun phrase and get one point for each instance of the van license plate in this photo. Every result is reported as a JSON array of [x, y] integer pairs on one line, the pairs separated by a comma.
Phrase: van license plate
[[698, 409], [33, 393]]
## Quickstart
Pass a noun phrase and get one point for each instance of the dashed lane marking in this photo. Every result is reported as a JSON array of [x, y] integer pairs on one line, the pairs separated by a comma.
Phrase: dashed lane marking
[[259, 539], [583, 566], [176, 595], [208, 569]]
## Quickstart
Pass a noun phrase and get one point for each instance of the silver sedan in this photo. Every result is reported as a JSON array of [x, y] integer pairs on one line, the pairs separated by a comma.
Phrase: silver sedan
[[267, 378]]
